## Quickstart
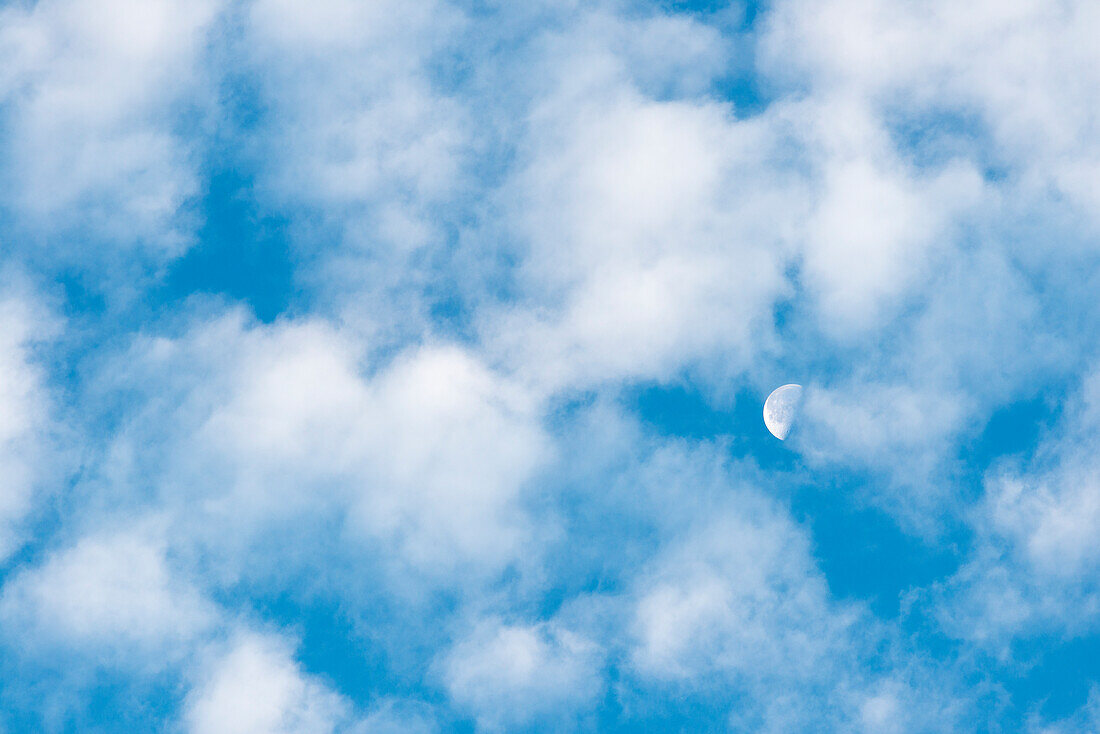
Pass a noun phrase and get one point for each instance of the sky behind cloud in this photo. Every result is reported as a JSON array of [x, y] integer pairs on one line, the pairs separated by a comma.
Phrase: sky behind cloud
[[398, 367]]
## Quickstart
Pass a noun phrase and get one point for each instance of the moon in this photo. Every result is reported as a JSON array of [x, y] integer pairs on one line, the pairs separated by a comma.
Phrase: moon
[[780, 409]]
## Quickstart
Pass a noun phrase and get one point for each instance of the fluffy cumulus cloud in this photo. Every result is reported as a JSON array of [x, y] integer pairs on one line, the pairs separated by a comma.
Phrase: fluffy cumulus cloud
[[653, 233], [251, 682], [385, 366], [364, 144], [650, 244], [1005, 63], [255, 431], [738, 597], [97, 101], [255, 686], [114, 595], [510, 676]]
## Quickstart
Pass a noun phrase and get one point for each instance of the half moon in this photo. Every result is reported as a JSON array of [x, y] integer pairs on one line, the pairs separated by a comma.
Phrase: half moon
[[780, 409]]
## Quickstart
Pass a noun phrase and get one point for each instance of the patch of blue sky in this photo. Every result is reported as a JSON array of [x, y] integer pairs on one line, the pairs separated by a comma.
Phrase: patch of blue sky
[[863, 552], [242, 253]]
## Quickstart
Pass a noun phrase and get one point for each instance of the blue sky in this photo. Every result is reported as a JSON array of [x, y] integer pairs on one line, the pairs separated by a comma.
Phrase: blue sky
[[398, 367]]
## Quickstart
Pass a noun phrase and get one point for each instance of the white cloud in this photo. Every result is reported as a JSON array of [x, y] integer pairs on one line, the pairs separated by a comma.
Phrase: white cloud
[[880, 714], [658, 234], [737, 608], [1033, 569], [93, 95], [661, 55], [25, 421], [396, 716], [866, 418], [655, 236], [740, 596], [903, 431], [256, 687], [114, 595], [286, 426], [1026, 69], [877, 224], [978, 337], [510, 676], [361, 144], [453, 444]]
